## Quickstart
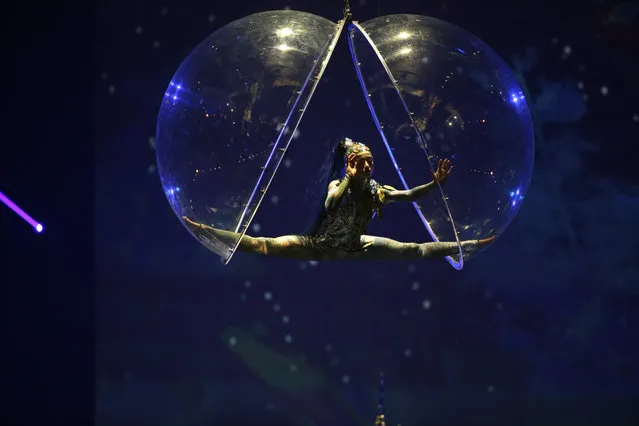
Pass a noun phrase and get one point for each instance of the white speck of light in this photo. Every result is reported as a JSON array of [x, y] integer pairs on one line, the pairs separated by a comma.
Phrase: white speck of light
[[286, 319], [275, 199], [604, 90], [567, 50], [287, 7], [345, 379], [635, 118], [426, 304], [490, 389], [313, 262], [277, 307], [152, 142], [243, 297], [232, 341], [211, 18], [288, 338], [288, 163], [408, 353], [256, 227], [411, 268], [425, 60], [268, 295], [138, 30], [580, 85], [415, 286], [156, 44], [111, 89], [247, 284], [293, 367]]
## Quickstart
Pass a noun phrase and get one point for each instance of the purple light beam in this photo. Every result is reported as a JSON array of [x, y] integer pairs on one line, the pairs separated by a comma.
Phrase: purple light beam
[[38, 227]]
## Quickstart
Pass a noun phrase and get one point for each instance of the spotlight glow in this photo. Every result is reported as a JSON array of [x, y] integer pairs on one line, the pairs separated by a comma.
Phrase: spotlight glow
[[17, 210]]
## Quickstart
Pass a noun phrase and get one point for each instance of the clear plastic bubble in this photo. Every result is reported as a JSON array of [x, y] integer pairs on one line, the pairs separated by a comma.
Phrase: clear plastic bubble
[[230, 111], [437, 91]]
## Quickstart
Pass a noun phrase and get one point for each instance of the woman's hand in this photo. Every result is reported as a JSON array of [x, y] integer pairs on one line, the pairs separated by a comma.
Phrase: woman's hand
[[351, 165], [443, 170]]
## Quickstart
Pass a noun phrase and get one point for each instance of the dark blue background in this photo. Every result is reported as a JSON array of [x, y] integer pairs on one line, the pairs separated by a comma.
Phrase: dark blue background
[[539, 329]]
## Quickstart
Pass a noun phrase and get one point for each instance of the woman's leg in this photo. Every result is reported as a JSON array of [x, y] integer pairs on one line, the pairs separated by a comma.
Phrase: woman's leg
[[296, 247], [288, 246], [380, 248]]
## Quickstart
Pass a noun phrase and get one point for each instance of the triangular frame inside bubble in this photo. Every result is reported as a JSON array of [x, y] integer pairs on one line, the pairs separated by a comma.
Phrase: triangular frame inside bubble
[[295, 117], [355, 26], [269, 169]]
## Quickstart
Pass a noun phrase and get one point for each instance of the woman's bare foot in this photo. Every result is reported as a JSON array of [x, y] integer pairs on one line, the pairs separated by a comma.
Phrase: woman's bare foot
[[486, 241], [192, 224], [203, 232], [198, 229]]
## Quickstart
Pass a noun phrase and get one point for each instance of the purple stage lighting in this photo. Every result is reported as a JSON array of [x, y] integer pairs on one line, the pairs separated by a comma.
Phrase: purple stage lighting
[[38, 227]]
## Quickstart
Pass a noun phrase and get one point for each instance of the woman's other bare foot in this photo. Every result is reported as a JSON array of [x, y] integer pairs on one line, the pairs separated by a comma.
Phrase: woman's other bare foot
[[486, 241]]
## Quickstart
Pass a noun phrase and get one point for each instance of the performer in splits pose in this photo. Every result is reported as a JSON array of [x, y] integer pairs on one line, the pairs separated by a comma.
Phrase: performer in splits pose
[[350, 205]]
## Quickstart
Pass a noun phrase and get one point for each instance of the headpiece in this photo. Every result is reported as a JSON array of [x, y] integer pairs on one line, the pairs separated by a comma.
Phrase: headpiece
[[350, 146]]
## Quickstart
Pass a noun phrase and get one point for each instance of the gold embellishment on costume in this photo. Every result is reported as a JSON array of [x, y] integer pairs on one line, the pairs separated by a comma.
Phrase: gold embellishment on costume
[[381, 194]]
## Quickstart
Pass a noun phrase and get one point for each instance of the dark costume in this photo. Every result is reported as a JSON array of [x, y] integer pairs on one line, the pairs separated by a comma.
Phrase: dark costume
[[343, 227], [337, 232]]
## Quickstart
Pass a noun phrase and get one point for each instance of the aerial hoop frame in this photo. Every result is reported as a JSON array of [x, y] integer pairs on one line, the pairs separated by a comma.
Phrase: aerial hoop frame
[[294, 118], [355, 26], [284, 138]]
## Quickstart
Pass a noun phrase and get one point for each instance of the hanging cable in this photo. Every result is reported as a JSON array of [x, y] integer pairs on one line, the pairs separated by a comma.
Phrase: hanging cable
[[380, 418], [348, 16]]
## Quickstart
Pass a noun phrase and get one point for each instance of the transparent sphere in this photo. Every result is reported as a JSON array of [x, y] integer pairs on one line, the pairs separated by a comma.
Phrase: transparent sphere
[[437, 91], [230, 111]]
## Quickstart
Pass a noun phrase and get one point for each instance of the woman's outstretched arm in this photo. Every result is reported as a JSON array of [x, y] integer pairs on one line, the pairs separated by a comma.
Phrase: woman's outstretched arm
[[393, 195]]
